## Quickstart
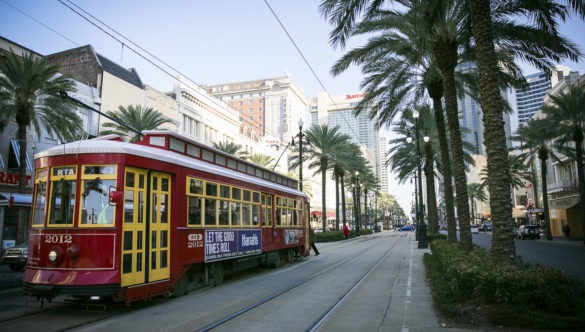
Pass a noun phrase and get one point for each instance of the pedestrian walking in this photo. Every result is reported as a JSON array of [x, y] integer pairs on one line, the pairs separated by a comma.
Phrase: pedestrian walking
[[313, 242], [568, 232], [345, 231]]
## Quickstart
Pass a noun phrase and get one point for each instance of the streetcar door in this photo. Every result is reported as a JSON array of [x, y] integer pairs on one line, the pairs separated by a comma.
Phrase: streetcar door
[[159, 226], [146, 228], [133, 250]]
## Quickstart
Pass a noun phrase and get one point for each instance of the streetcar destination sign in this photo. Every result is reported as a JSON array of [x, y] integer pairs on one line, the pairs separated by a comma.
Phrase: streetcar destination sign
[[222, 244]]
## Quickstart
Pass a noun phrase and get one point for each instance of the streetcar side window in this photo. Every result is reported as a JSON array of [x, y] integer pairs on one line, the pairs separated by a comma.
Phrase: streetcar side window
[[266, 211], [224, 213], [40, 194], [255, 214], [246, 212], [235, 212], [195, 211], [210, 212]]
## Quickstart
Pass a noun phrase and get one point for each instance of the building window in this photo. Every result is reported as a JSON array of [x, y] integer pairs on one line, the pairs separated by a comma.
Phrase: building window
[[259, 109]]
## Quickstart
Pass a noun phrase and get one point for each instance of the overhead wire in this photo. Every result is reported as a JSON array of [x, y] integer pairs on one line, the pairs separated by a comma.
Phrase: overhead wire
[[82, 13], [314, 73], [124, 44]]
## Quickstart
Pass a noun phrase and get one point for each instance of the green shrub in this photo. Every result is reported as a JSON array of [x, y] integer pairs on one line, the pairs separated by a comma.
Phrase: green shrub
[[436, 236], [526, 295]]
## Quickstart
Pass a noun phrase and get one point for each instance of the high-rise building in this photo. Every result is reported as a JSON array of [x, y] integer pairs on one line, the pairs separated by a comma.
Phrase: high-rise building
[[531, 99], [339, 111], [471, 117], [384, 173], [269, 108]]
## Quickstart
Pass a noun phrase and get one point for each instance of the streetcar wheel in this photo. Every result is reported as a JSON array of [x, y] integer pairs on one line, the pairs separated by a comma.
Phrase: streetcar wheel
[[181, 287], [217, 273], [276, 264]]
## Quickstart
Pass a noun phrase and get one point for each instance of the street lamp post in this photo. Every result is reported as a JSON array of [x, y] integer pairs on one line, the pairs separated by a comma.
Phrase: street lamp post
[[300, 136], [421, 226], [300, 154], [416, 211]]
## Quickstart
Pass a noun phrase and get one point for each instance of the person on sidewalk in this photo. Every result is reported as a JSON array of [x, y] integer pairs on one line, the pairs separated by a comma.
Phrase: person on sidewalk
[[345, 231], [313, 242]]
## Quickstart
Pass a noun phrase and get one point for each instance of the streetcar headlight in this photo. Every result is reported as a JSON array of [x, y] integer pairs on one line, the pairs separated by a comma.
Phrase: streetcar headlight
[[53, 255]]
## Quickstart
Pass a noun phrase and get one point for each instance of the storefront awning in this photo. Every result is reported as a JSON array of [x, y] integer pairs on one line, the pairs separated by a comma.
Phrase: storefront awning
[[564, 203], [17, 199]]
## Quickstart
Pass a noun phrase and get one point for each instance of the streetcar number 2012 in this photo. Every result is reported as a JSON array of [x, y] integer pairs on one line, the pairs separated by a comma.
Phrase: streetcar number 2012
[[57, 238]]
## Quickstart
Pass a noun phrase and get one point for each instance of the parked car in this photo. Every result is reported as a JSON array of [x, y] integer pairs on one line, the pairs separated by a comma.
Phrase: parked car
[[406, 228], [15, 257], [486, 227], [474, 229], [528, 231]]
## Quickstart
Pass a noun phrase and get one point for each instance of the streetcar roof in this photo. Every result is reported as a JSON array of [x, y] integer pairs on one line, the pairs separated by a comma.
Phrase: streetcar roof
[[105, 145]]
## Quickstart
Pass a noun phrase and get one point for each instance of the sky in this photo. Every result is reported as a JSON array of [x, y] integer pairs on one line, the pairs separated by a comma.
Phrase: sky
[[209, 42]]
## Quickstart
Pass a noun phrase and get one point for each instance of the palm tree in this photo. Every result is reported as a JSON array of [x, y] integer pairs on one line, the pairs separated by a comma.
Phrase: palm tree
[[427, 118], [231, 148], [131, 120], [368, 183], [398, 69], [344, 158], [31, 94], [536, 141], [262, 159], [567, 112], [319, 154], [535, 43], [503, 247]]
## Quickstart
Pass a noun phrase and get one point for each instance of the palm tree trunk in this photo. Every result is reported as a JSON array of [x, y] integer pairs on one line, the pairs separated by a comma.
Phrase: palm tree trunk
[[343, 200], [543, 171], [365, 206], [436, 93], [22, 158], [471, 200], [503, 246], [447, 59], [580, 178], [431, 194], [323, 200], [336, 203]]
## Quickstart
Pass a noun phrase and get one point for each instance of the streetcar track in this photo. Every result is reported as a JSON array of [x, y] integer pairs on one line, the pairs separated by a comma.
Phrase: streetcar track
[[325, 316], [103, 316], [273, 296]]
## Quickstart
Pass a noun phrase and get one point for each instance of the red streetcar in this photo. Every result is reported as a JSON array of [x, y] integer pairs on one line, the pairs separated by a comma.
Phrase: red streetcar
[[162, 216]]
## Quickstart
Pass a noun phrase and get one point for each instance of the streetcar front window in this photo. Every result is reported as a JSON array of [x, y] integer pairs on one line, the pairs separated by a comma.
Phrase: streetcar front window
[[62, 202], [94, 199]]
